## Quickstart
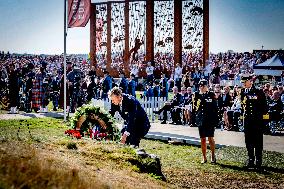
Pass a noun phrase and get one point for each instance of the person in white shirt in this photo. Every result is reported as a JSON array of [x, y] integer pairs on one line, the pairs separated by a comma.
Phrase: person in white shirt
[[150, 73], [134, 71], [178, 76], [234, 112]]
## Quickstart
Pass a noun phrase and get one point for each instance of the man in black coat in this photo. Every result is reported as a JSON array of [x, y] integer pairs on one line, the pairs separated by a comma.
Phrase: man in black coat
[[254, 106], [204, 106], [136, 120]]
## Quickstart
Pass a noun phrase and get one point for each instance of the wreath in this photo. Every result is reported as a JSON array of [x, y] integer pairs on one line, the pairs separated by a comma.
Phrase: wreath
[[95, 122]]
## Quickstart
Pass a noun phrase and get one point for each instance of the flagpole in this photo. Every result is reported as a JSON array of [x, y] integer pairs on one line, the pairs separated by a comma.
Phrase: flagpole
[[65, 60]]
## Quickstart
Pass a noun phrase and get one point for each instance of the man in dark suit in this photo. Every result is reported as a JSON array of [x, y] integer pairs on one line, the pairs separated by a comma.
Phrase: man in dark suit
[[254, 106], [171, 106], [136, 120]]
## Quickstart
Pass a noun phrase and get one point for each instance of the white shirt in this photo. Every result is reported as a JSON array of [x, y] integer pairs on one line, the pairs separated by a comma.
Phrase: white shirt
[[134, 71], [178, 73], [150, 70]]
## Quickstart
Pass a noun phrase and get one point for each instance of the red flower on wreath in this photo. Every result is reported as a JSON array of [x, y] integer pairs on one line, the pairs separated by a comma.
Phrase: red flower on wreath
[[73, 133]]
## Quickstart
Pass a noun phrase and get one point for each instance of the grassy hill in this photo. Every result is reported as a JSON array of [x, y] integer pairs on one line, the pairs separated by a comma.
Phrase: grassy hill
[[35, 153]]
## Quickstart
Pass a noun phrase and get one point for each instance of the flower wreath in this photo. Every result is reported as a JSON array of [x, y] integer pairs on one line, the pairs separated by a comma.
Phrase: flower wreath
[[95, 122]]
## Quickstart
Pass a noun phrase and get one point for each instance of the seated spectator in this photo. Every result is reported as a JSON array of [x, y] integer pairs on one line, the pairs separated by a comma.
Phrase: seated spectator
[[234, 112], [225, 101], [172, 106], [275, 107], [187, 106]]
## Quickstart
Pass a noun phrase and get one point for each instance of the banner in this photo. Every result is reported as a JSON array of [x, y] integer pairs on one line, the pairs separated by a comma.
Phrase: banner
[[78, 13]]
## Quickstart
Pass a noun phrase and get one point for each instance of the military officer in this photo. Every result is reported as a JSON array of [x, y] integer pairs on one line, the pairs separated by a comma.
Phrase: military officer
[[204, 105], [136, 120], [253, 108]]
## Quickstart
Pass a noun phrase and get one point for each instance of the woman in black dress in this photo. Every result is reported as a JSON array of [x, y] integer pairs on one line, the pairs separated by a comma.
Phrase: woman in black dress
[[204, 106]]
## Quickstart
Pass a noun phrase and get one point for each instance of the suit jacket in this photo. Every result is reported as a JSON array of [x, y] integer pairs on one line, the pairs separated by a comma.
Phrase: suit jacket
[[135, 117], [177, 100]]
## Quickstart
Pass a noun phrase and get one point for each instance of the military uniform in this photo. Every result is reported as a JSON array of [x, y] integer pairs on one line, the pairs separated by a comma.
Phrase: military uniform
[[205, 110], [253, 108], [135, 117]]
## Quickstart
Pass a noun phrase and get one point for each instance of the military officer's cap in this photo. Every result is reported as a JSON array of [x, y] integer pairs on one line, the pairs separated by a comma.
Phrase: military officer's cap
[[246, 77], [203, 82]]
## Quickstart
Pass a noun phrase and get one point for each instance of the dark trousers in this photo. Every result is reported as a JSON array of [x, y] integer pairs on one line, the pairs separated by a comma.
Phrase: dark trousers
[[165, 110], [254, 141], [178, 83], [174, 113], [133, 139]]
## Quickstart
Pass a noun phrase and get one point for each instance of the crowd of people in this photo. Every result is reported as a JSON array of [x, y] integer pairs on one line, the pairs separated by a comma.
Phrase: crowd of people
[[200, 98], [30, 82]]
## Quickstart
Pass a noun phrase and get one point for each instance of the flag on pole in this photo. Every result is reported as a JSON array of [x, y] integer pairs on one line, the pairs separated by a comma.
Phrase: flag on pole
[[78, 13]]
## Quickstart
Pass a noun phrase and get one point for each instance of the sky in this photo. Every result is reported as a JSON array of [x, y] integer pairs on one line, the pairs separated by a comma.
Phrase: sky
[[36, 26]]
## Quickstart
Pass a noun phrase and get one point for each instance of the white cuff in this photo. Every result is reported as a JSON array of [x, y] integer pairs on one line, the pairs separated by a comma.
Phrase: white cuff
[[126, 133]]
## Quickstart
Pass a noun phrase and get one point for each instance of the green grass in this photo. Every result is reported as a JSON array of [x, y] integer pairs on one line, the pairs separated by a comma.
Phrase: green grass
[[180, 163]]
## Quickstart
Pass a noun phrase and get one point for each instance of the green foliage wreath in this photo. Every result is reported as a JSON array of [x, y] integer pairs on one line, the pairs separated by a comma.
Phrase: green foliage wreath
[[88, 116]]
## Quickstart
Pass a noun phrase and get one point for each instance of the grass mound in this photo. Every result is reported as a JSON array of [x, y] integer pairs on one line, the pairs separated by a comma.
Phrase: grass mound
[[19, 169], [35, 153]]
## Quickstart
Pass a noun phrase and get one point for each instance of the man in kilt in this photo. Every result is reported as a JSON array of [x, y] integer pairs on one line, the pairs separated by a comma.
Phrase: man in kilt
[[38, 93]]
